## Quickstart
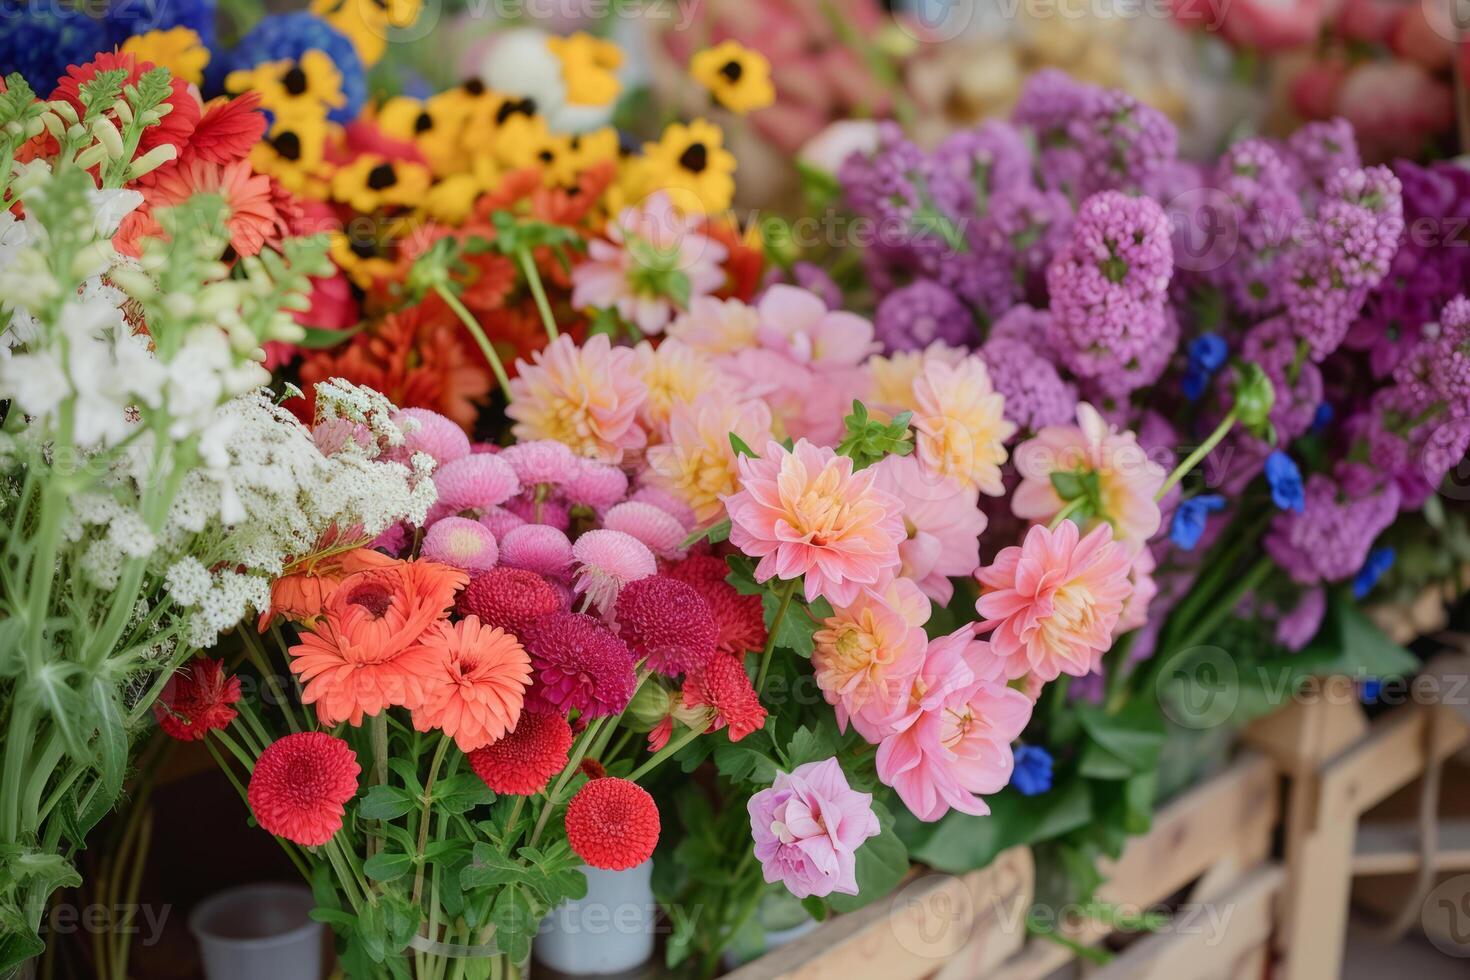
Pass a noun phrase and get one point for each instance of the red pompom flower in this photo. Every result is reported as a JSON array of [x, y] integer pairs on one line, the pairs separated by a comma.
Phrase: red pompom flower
[[613, 824], [300, 785], [523, 762], [511, 598], [668, 623], [196, 701], [724, 687], [739, 618]]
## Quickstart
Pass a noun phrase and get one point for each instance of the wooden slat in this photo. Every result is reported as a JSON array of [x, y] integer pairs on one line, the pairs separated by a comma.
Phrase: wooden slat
[[932, 918], [1392, 847], [1220, 941], [1392, 755]]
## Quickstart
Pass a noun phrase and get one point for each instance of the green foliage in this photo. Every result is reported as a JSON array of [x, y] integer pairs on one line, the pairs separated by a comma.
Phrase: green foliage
[[868, 440]]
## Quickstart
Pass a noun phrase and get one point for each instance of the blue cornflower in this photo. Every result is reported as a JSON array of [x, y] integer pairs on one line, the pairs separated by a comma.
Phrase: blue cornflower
[[1286, 482], [282, 36], [40, 40], [1207, 354], [1379, 560], [1032, 772], [1323, 416], [1190, 517], [1371, 690]]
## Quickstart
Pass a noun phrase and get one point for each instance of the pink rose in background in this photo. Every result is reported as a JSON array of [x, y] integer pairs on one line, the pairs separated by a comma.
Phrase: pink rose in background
[[955, 744], [1264, 25], [807, 828]]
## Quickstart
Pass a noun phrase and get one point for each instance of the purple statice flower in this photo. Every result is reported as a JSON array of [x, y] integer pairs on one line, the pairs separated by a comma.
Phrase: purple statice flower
[[1050, 101], [1449, 368], [1323, 148], [914, 316], [1273, 346], [1108, 289], [1036, 396], [893, 187], [1123, 142], [984, 278], [1296, 628], [975, 166], [1264, 214], [1358, 228], [1430, 268], [1008, 251], [1328, 540], [814, 279]]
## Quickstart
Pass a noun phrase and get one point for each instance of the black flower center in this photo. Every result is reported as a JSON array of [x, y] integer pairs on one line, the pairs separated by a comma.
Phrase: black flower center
[[510, 107], [382, 176], [423, 123], [288, 145], [694, 159], [294, 80], [474, 86], [732, 70]]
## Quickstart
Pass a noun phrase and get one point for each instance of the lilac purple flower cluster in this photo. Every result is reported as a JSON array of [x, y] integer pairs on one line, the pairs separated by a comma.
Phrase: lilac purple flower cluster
[[1065, 246]]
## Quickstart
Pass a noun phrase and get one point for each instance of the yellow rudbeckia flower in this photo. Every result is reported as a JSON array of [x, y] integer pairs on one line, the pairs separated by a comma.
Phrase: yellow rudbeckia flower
[[739, 78], [292, 152], [178, 49], [692, 164], [309, 84], [588, 67], [367, 23]]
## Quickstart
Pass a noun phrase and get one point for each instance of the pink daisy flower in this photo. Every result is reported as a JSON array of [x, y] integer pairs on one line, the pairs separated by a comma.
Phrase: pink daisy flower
[[652, 254], [537, 548], [1051, 603], [607, 561], [595, 485], [461, 542], [654, 527], [475, 483], [540, 461], [804, 512], [435, 435]]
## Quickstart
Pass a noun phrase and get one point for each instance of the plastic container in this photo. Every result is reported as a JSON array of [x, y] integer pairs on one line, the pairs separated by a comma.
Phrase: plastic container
[[610, 931], [259, 931]]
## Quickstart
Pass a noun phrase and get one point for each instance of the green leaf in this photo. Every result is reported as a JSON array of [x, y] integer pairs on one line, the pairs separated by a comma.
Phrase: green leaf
[[385, 803], [462, 793], [882, 862], [112, 738], [387, 866], [796, 627], [748, 760], [741, 449], [715, 533], [488, 868], [515, 923], [1360, 648], [320, 338], [1132, 736], [963, 843]]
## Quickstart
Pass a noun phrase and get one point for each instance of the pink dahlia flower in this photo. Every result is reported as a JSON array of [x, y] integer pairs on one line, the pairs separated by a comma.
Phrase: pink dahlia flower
[[587, 397], [807, 828], [956, 743], [804, 512], [1127, 479], [942, 520], [865, 658], [1052, 602], [797, 323]]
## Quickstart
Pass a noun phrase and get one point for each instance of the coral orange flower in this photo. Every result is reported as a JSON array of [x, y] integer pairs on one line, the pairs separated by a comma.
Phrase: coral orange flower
[[366, 654], [253, 220], [475, 693], [227, 130], [176, 127], [301, 593]]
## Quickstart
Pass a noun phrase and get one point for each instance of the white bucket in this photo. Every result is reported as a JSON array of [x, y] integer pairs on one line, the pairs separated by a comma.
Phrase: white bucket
[[609, 931], [259, 931]]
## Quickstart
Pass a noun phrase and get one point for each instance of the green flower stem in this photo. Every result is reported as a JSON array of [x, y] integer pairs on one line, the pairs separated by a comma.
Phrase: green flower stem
[[418, 875], [579, 752], [255, 650], [1066, 512], [1203, 450], [473, 326], [786, 594], [344, 874], [1220, 610], [659, 757], [538, 290]]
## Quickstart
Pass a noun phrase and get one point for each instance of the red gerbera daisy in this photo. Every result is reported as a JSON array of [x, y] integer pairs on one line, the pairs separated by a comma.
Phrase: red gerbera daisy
[[252, 220], [300, 786], [176, 127], [196, 701], [613, 824], [740, 620], [668, 623], [523, 762], [724, 687], [227, 130]]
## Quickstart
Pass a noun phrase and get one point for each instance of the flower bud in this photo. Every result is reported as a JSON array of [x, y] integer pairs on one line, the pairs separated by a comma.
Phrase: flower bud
[[65, 110], [152, 160], [108, 136], [92, 156], [1255, 395]]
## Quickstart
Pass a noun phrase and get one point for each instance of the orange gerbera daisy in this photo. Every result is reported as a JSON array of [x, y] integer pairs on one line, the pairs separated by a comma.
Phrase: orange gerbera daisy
[[301, 594], [474, 694], [227, 130], [253, 220], [367, 652], [418, 358]]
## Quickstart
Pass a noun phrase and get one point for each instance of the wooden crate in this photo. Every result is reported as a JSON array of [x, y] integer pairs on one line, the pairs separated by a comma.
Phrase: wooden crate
[[934, 926], [1213, 844], [1338, 767]]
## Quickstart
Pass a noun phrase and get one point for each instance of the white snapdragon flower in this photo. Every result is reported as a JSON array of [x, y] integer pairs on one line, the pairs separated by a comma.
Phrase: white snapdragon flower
[[110, 206]]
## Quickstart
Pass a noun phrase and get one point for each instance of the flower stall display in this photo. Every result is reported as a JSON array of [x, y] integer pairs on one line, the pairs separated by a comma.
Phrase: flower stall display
[[583, 525]]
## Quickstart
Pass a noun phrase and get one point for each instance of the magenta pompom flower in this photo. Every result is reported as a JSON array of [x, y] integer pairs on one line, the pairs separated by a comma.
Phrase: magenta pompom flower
[[474, 484], [580, 665], [607, 561], [461, 542], [804, 511], [667, 623]]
